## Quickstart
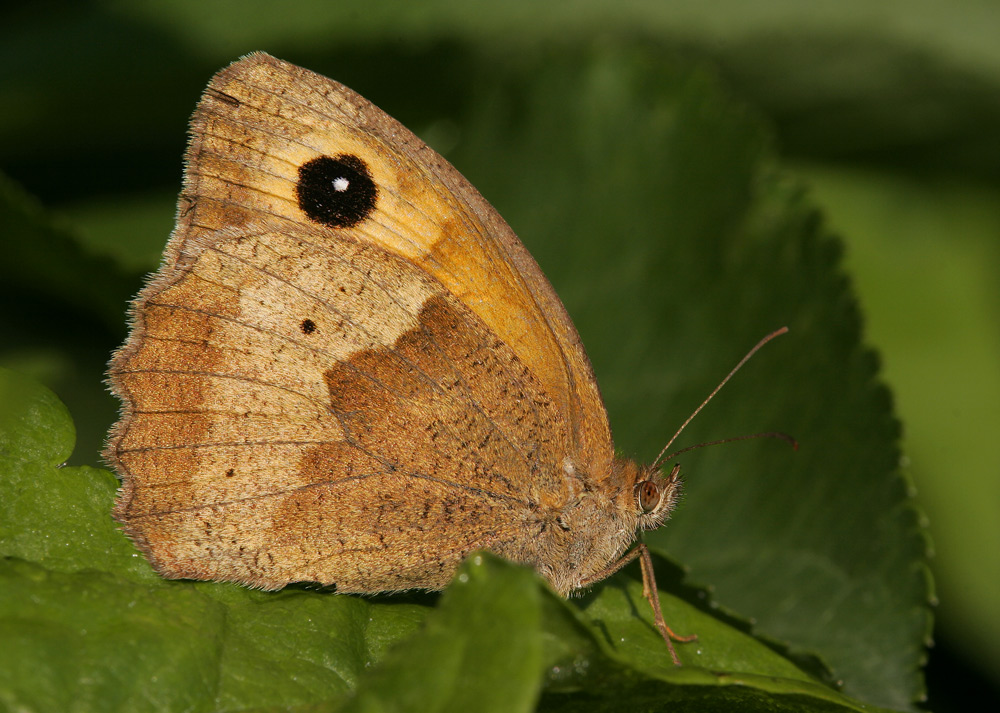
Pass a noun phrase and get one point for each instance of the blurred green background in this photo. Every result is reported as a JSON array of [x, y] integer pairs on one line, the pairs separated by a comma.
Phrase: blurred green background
[[889, 110]]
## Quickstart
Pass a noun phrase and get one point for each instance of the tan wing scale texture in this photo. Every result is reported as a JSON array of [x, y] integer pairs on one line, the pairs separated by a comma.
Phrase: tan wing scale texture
[[346, 403]]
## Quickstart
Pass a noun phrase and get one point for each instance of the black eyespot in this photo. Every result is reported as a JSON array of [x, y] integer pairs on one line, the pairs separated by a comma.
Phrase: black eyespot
[[648, 495], [336, 191], [307, 326]]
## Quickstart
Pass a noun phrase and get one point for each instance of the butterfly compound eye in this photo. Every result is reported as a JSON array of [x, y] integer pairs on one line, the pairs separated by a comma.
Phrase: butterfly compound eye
[[336, 191], [648, 495]]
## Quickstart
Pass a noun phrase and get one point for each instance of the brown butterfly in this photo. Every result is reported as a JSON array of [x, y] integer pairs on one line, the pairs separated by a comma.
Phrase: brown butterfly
[[348, 370]]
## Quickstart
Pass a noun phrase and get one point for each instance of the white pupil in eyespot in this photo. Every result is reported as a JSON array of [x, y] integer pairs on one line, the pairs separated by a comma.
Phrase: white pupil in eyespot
[[340, 184]]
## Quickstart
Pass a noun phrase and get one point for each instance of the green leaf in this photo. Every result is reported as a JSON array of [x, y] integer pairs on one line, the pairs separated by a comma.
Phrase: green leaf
[[71, 577], [481, 649], [99, 631], [53, 514], [92, 641], [703, 248], [942, 232]]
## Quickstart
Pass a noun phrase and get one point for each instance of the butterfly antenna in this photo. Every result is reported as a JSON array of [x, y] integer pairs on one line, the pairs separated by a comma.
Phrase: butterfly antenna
[[770, 434], [744, 360]]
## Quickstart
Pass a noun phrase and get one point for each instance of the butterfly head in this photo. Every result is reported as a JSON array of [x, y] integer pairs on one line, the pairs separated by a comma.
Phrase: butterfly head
[[655, 495]]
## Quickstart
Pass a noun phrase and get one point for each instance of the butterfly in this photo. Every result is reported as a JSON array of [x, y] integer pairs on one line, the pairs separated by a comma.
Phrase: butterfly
[[348, 369]]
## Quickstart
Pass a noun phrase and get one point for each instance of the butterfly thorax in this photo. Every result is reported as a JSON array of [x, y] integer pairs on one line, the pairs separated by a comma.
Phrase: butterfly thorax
[[597, 524]]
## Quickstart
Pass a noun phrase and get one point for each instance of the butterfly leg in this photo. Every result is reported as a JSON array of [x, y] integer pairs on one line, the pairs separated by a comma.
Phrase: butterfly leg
[[652, 595], [650, 592]]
